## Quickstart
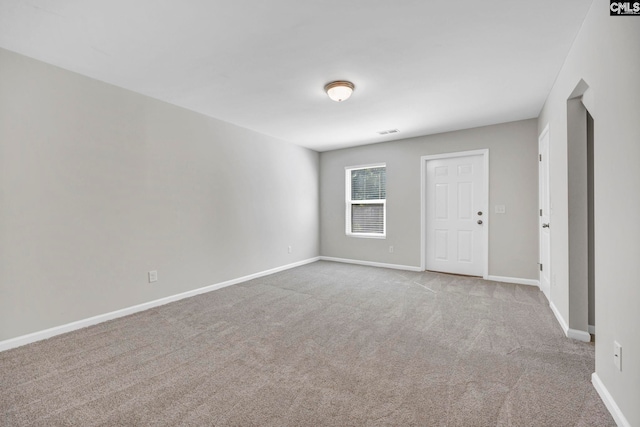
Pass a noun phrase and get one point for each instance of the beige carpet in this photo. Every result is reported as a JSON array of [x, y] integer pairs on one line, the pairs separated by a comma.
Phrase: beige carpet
[[323, 344]]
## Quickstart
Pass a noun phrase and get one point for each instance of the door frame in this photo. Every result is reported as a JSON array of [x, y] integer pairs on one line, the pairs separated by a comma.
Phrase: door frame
[[484, 152], [544, 135], [578, 212]]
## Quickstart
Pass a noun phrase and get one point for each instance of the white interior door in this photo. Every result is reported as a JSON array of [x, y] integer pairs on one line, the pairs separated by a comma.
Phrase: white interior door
[[455, 215], [545, 211]]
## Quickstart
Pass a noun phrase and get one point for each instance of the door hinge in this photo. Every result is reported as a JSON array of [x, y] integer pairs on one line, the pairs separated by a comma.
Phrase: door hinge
[[540, 157], [540, 212], [540, 267]]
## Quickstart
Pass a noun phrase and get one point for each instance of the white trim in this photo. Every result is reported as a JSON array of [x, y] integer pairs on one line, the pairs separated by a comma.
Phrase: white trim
[[349, 203], [367, 236], [517, 280], [592, 329], [529, 282], [51, 332], [559, 318], [481, 151], [569, 333], [484, 152], [579, 335], [423, 214], [611, 405], [546, 292], [371, 263], [544, 134], [368, 166]]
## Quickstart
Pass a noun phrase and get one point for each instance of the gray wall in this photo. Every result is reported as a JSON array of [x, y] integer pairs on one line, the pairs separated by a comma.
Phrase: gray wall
[[98, 185], [513, 181], [606, 55]]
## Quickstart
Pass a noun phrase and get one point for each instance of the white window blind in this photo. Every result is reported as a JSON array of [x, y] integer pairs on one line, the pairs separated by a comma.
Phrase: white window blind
[[366, 189], [367, 218]]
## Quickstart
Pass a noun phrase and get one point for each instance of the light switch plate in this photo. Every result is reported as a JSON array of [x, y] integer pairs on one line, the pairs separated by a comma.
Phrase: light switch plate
[[617, 355], [500, 209], [153, 276]]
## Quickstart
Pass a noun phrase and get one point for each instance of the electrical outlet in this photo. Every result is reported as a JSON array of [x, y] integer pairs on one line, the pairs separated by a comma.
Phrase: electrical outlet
[[500, 209], [289, 249], [390, 249], [617, 355], [153, 276]]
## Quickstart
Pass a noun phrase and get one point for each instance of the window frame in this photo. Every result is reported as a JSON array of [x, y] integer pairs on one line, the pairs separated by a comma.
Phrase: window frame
[[349, 203]]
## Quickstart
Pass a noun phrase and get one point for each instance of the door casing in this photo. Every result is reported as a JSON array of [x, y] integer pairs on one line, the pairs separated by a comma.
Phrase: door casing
[[544, 202]]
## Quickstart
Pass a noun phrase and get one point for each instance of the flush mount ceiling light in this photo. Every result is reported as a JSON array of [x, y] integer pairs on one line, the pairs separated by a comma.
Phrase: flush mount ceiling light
[[339, 90]]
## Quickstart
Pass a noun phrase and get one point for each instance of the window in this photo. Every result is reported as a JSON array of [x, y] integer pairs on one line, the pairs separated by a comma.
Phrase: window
[[366, 194]]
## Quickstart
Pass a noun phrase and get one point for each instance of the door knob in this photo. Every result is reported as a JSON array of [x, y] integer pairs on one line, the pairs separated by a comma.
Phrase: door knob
[[480, 213], [480, 221], [545, 225]]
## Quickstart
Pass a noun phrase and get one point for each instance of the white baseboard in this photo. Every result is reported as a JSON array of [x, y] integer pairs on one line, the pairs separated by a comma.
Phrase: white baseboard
[[570, 333], [371, 263], [516, 280], [51, 332], [576, 334], [611, 405], [546, 291], [559, 318]]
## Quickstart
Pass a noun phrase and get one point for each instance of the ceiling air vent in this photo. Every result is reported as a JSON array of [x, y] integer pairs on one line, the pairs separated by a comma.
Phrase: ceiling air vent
[[387, 132]]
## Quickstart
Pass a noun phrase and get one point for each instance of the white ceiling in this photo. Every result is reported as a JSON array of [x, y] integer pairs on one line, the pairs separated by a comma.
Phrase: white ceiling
[[420, 66]]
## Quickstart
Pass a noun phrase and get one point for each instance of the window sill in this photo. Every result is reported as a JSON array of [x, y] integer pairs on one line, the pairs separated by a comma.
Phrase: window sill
[[367, 236]]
